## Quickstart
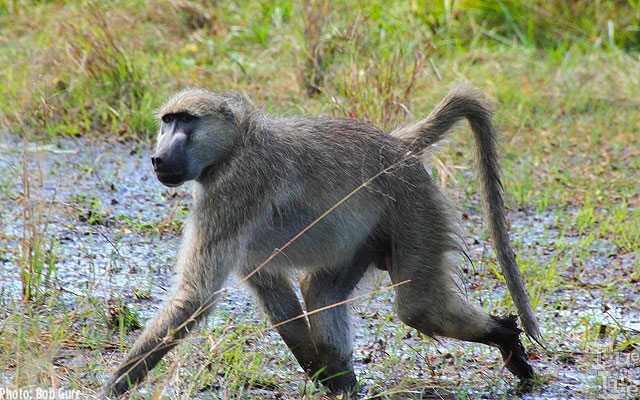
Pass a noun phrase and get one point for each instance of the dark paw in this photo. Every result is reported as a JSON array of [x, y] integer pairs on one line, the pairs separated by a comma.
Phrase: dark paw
[[516, 361], [341, 383], [506, 335], [526, 386], [114, 389]]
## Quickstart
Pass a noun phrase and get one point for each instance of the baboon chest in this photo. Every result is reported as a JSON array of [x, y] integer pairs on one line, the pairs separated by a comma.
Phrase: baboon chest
[[329, 241]]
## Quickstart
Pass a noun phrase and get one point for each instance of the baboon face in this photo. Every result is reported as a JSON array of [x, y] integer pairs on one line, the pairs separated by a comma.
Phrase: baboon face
[[171, 162], [193, 137]]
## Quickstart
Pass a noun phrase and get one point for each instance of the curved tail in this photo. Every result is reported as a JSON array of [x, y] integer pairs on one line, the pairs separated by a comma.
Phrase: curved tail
[[464, 102]]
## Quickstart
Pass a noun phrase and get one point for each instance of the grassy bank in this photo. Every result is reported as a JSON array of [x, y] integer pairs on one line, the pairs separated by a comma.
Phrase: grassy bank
[[565, 81]]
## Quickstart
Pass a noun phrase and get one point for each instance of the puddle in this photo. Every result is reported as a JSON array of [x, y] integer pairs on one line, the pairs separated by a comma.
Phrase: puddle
[[114, 231]]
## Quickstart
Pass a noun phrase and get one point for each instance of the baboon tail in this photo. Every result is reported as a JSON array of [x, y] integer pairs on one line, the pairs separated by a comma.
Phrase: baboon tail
[[465, 102]]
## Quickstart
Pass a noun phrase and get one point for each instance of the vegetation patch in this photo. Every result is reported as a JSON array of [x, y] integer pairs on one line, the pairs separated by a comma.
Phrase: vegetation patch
[[88, 237]]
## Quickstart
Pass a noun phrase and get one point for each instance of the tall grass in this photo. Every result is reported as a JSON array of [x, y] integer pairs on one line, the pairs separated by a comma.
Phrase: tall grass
[[558, 24], [37, 255], [80, 68]]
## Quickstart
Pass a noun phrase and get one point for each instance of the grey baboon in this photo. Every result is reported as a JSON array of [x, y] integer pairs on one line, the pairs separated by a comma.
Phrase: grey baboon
[[260, 180]]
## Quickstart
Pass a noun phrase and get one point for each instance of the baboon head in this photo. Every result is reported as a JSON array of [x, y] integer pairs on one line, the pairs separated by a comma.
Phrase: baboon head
[[198, 129]]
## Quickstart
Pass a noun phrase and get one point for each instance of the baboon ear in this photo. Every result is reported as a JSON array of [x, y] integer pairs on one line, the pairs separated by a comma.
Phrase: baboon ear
[[227, 112], [236, 98], [237, 103]]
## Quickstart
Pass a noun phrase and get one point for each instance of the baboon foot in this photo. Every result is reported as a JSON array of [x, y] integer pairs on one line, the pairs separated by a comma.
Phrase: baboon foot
[[337, 376], [342, 384], [506, 336]]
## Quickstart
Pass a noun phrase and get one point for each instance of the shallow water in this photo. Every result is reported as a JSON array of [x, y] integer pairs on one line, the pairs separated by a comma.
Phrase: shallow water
[[102, 205]]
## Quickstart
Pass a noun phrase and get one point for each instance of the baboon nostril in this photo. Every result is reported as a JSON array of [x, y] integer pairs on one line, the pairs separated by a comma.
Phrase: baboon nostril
[[156, 161]]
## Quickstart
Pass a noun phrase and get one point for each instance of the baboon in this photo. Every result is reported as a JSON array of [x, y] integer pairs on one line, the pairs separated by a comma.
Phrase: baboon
[[261, 179]]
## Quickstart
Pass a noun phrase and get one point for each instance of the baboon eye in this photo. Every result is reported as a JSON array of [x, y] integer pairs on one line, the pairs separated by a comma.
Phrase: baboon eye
[[186, 117], [166, 118]]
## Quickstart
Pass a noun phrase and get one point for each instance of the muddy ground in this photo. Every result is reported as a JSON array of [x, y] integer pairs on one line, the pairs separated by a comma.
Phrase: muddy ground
[[115, 231]]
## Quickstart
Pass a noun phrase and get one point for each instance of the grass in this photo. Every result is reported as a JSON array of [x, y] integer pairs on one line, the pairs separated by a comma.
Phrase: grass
[[37, 257], [565, 80]]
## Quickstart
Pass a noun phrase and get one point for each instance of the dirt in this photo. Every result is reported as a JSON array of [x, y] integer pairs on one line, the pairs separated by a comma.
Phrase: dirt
[[114, 231]]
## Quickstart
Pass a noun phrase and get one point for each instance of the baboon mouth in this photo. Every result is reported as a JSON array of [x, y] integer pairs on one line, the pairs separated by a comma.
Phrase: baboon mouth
[[170, 180]]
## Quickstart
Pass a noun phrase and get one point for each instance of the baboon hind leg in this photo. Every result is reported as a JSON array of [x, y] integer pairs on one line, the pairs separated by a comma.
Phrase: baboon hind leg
[[331, 328], [432, 302]]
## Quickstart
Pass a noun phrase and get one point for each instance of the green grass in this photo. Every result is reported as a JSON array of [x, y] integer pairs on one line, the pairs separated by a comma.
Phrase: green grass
[[565, 80]]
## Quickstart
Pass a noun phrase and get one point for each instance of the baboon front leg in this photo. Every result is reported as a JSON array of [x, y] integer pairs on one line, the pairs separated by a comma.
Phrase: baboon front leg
[[172, 323], [280, 302], [203, 268], [331, 334], [331, 328]]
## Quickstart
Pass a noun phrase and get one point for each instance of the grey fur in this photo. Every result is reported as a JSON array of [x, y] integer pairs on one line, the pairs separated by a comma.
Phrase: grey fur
[[460, 103], [259, 180]]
